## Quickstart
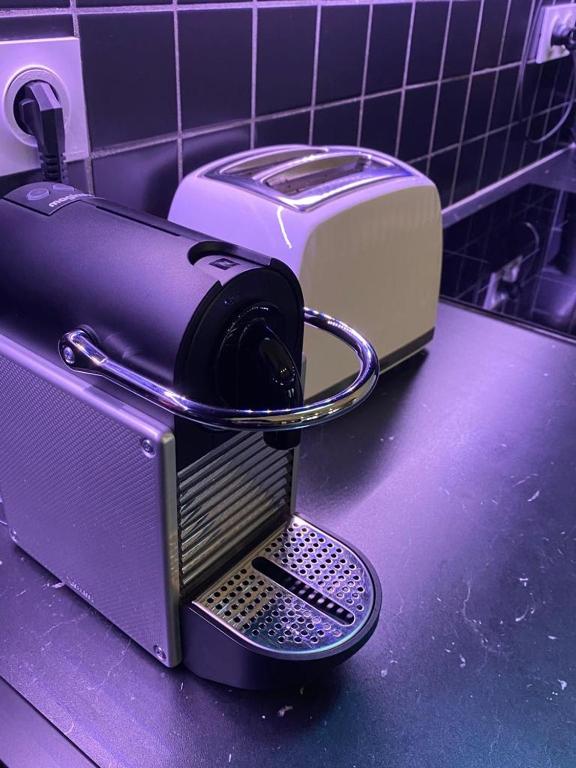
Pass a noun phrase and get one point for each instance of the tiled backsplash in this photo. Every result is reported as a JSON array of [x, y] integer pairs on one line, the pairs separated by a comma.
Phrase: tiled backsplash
[[533, 228], [171, 85]]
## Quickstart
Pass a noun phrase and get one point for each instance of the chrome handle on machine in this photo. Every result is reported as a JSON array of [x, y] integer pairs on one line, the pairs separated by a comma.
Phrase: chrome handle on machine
[[81, 353]]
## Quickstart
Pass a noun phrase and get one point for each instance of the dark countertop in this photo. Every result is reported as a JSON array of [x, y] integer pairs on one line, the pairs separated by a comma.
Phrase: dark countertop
[[458, 481]]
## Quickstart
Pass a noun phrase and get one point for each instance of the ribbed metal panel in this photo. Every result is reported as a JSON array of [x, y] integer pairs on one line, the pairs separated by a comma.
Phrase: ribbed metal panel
[[225, 498]]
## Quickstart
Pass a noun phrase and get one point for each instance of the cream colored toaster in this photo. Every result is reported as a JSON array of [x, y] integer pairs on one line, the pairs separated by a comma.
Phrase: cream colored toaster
[[361, 230]]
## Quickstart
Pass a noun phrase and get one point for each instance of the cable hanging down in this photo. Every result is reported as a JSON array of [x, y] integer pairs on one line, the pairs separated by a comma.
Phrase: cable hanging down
[[562, 36], [39, 113]]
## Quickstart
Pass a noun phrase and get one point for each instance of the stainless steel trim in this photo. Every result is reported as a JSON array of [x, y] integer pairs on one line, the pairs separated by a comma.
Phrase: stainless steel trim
[[304, 178], [554, 172], [80, 353], [325, 599]]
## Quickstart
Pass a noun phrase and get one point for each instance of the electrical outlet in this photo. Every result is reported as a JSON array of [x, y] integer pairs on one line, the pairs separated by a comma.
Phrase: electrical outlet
[[57, 62], [499, 284], [552, 16]]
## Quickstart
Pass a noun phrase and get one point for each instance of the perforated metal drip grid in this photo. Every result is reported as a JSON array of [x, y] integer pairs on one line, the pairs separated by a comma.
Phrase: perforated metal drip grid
[[301, 590]]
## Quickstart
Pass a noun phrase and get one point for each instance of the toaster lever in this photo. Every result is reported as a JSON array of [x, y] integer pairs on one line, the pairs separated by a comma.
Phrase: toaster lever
[[80, 352]]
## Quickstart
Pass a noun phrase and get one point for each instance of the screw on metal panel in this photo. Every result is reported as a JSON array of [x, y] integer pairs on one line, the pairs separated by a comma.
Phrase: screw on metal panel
[[13, 534], [68, 355], [159, 653], [148, 447]]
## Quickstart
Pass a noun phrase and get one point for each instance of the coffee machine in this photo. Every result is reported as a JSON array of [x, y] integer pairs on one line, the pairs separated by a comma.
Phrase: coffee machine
[[151, 406]]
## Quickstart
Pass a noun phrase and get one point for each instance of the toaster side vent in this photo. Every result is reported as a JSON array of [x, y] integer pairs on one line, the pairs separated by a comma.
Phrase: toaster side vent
[[226, 500]]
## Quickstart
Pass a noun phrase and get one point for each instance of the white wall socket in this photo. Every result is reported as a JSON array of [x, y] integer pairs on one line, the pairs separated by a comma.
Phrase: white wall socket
[[56, 61], [550, 17]]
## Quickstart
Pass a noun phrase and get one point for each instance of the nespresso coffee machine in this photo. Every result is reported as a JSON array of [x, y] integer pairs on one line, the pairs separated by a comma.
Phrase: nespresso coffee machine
[[161, 488]]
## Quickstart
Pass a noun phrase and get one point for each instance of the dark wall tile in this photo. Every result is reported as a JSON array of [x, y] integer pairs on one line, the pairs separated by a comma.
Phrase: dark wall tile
[[492, 166], [129, 76], [451, 264], [420, 165], [109, 3], [207, 147], [479, 105], [337, 125], [285, 58], [343, 33], [380, 123], [441, 170], [293, 129], [532, 151], [564, 135], [546, 85], [77, 175], [504, 97], [18, 4], [562, 87], [491, 31], [30, 27], [417, 121], [468, 169], [216, 65], [470, 276], [450, 113], [515, 30], [427, 41], [461, 38], [144, 179], [388, 46], [514, 150]]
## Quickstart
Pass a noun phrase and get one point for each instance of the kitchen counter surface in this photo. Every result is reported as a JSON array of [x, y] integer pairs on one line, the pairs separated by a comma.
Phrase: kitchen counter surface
[[458, 480]]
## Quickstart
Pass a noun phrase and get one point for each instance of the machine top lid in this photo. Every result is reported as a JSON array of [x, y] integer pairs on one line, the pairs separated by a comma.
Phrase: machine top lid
[[303, 177]]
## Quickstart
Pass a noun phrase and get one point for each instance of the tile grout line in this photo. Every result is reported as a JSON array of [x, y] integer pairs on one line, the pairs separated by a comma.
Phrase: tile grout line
[[513, 121], [527, 145], [438, 87], [315, 72], [367, 48], [491, 107], [115, 149], [550, 107], [254, 74], [405, 79], [179, 141], [467, 103], [87, 162]]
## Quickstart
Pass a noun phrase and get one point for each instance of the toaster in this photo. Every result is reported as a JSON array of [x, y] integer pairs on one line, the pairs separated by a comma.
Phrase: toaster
[[151, 405], [361, 230]]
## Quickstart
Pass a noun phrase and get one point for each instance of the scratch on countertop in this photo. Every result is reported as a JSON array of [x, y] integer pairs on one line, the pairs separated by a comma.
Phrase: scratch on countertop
[[112, 668], [534, 496], [75, 620], [525, 479]]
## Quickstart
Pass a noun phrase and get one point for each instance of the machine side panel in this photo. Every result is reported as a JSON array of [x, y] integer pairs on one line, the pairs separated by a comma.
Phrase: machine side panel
[[89, 489]]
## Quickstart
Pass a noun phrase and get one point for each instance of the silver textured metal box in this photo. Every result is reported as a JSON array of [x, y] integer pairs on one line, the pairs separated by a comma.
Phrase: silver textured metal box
[[89, 489]]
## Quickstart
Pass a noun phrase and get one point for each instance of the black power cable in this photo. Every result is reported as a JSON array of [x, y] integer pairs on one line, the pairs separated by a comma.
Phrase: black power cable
[[567, 38], [39, 113]]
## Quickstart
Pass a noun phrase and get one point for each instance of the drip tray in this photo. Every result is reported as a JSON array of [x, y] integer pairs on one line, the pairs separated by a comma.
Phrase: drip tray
[[300, 595]]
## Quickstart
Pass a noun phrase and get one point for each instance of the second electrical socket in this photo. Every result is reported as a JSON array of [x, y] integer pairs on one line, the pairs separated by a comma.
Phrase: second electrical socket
[[57, 62], [550, 17]]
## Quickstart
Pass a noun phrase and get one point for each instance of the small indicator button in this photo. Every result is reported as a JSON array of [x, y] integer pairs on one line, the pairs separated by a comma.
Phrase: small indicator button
[[63, 188], [223, 263], [37, 194]]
